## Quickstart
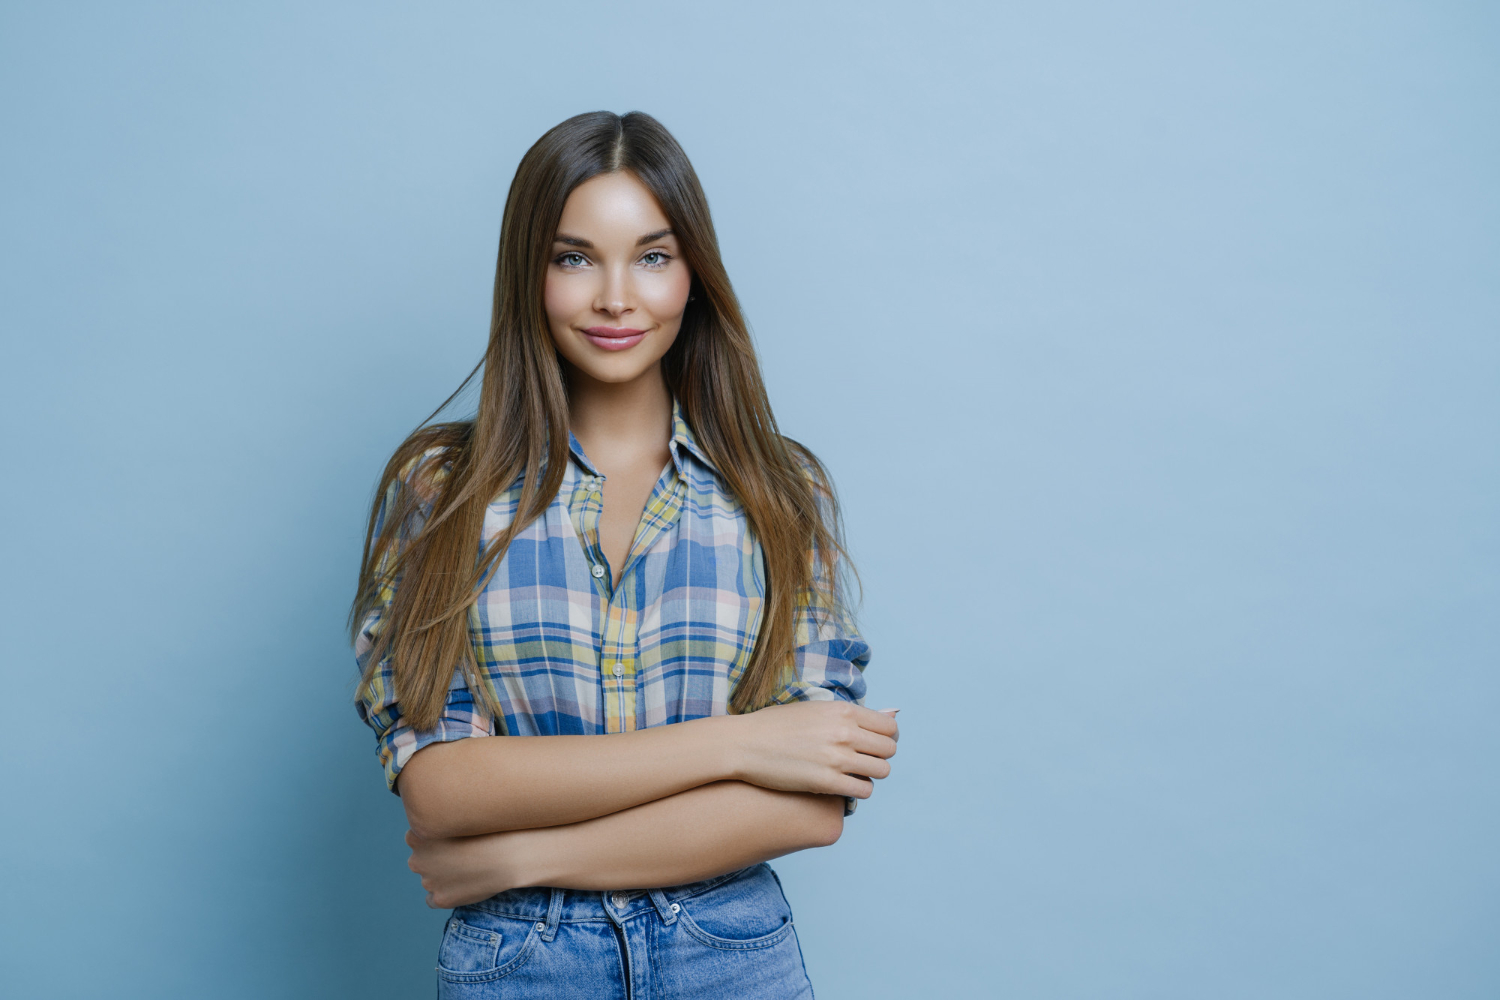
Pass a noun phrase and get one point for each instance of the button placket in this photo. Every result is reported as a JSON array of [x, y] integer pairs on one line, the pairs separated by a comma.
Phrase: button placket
[[589, 498], [617, 647], [618, 638], [600, 569]]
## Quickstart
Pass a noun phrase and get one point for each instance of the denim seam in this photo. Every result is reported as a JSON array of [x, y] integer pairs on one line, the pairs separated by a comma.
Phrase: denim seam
[[694, 889], [541, 918], [713, 883], [479, 935], [663, 907], [554, 915], [499, 972], [730, 944]]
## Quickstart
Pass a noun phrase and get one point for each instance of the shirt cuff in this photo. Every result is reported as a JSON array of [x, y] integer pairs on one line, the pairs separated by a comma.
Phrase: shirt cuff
[[403, 741]]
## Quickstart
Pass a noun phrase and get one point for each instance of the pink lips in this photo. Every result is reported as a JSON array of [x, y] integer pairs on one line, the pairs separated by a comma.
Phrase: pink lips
[[614, 338]]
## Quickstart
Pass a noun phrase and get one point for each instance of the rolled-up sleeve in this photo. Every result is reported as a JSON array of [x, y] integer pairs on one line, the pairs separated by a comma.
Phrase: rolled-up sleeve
[[830, 655], [830, 661], [462, 715], [395, 740]]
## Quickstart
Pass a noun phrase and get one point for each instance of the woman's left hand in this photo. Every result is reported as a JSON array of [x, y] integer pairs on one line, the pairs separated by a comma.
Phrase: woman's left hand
[[462, 870]]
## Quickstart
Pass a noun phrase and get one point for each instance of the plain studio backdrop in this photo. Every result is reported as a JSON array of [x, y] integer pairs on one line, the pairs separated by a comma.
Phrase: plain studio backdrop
[[1155, 349]]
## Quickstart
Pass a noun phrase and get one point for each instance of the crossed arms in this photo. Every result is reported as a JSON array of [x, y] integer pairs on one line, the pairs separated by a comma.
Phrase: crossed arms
[[659, 806]]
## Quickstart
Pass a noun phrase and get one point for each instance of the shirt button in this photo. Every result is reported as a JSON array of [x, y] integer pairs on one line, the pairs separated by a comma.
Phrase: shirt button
[[598, 571], [619, 671]]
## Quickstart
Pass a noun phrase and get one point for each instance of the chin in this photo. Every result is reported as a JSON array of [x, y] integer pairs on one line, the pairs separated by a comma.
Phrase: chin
[[615, 367], [615, 374]]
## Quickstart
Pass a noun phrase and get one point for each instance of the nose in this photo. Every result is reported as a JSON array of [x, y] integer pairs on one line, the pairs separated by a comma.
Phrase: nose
[[615, 297]]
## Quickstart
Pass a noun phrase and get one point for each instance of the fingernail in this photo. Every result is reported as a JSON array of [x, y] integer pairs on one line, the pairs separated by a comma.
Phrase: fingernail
[[888, 711]]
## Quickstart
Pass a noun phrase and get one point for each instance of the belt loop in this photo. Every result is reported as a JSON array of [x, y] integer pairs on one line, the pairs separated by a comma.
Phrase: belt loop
[[667, 910], [554, 914]]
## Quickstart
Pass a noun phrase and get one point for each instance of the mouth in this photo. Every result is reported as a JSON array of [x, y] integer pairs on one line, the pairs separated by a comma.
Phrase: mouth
[[613, 338]]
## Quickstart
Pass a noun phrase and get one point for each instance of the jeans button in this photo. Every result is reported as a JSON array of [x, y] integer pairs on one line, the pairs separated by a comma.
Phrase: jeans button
[[620, 899]]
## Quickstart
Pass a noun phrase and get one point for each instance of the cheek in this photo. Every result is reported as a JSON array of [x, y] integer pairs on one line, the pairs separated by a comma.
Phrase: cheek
[[564, 299], [667, 297]]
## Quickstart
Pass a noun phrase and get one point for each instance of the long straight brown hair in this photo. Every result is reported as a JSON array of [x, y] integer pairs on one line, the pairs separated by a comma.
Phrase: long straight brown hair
[[436, 487]]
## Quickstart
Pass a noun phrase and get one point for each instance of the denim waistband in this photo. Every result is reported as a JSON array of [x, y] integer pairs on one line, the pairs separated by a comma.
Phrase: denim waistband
[[550, 907]]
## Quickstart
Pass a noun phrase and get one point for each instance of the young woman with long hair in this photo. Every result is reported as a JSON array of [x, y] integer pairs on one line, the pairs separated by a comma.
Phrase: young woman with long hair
[[620, 557]]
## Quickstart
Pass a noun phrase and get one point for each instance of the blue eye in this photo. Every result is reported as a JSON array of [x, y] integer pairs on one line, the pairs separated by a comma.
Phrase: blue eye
[[655, 259], [572, 260]]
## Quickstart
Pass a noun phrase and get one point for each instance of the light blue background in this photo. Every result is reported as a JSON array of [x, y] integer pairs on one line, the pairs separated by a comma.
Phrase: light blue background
[[1155, 348]]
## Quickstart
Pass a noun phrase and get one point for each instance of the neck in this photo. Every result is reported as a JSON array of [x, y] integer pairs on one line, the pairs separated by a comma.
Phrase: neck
[[619, 419]]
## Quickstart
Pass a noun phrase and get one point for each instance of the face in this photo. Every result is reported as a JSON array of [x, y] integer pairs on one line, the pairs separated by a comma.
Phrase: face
[[616, 285]]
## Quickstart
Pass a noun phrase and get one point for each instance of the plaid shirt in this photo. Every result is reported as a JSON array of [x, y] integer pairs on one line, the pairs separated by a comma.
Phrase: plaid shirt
[[562, 652]]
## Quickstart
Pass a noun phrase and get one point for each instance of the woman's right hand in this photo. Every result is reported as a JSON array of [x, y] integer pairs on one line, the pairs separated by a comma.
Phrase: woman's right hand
[[826, 747]]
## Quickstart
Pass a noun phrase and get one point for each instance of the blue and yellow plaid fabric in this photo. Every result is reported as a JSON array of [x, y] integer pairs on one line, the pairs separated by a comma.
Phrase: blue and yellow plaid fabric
[[563, 653]]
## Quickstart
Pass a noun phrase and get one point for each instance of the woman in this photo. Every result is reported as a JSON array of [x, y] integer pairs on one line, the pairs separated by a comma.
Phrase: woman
[[620, 557]]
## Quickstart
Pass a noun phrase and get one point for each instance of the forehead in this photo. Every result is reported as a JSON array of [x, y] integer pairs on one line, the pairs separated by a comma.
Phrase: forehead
[[612, 205]]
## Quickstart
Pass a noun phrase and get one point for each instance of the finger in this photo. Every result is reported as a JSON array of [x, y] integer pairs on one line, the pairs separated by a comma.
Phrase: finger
[[867, 766], [855, 786], [892, 713], [876, 722], [873, 744]]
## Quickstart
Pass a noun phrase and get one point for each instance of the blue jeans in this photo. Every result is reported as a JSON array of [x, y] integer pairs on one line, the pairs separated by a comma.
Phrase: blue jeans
[[730, 936]]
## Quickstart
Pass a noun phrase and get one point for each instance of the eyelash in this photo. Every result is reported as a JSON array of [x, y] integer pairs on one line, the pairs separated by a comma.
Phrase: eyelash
[[561, 259]]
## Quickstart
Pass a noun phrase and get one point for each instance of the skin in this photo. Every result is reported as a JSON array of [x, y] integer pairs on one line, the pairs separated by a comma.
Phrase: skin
[[660, 806], [617, 264]]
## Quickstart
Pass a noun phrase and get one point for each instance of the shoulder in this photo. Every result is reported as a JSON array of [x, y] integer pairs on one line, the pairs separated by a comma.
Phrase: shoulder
[[423, 464], [425, 473]]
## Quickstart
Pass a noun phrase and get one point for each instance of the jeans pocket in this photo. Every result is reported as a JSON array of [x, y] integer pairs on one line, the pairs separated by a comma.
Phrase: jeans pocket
[[746, 913], [479, 946], [469, 949]]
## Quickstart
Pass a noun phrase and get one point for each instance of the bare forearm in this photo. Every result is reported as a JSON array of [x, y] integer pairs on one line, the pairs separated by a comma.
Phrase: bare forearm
[[492, 784], [693, 835]]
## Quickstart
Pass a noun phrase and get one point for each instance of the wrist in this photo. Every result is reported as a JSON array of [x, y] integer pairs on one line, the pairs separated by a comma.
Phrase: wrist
[[711, 749], [535, 857], [731, 748]]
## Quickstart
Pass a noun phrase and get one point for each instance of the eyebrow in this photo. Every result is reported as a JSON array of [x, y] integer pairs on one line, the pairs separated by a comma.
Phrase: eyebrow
[[653, 237], [578, 241]]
